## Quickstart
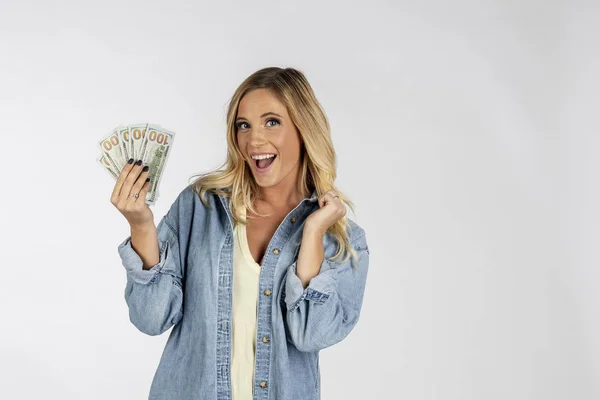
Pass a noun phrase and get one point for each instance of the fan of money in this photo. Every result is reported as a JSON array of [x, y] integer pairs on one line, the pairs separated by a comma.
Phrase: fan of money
[[146, 142]]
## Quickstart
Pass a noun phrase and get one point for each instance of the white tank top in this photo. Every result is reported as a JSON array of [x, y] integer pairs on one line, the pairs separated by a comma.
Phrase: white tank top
[[246, 273]]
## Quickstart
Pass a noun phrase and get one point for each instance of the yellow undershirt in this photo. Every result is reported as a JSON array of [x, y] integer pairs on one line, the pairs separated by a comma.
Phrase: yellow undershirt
[[246, 273]]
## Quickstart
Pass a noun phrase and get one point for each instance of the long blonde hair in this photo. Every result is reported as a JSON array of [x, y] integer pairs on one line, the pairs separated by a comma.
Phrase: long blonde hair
[[318, 166]]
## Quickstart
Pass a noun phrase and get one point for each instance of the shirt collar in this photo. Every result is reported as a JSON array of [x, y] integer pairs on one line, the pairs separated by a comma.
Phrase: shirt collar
[[313, 199]]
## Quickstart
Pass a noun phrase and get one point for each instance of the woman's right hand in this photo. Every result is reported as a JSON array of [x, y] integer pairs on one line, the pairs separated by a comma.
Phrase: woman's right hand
[[133, 179]]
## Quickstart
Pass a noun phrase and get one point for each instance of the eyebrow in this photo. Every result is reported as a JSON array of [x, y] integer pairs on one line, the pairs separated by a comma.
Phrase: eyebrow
[[264, 115]]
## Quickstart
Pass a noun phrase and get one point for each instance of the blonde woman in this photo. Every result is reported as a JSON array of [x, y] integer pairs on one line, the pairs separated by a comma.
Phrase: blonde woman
[[255, 265]]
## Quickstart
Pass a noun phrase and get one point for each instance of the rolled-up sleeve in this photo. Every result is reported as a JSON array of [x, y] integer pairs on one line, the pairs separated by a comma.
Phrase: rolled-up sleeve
[[324, 313], [154, 296]]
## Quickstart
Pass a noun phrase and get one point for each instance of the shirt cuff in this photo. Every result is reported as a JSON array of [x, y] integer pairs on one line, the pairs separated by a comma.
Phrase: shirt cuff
[[134, 265], [318, 290]]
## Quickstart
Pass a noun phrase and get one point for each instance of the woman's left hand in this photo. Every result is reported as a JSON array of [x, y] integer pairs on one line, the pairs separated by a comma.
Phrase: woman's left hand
[[331, 210]]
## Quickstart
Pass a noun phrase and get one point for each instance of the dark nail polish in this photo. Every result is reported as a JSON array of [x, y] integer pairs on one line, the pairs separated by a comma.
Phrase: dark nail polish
[[146, 168], [139, 162], [147, 179], [130, 161]]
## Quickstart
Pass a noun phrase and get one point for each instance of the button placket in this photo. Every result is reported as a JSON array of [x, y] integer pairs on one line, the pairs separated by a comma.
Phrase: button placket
[[267, 292]]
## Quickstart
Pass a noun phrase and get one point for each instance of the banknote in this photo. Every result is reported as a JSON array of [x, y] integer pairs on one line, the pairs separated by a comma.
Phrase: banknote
[[150, 143], [126, 142], [155, 152], [137, 134], [113, 150], [107, 165]]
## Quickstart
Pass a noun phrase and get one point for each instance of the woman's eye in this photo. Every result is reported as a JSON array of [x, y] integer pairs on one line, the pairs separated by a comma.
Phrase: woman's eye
[[239, 124]]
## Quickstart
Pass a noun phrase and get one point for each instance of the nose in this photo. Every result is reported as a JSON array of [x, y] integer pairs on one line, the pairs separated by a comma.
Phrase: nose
[[256, 137]]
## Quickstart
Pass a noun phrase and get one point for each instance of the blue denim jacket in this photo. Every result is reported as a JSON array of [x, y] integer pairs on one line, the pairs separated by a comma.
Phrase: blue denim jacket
[[191, 289]]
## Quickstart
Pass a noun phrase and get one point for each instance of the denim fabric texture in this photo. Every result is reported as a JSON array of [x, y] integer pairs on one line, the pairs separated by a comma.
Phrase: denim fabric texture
[[190, 289]]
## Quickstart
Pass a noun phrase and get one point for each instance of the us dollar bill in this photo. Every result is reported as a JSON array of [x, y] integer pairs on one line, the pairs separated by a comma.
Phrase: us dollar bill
[[126, 142], [108, 167], [137, 133], [156, 149], [112, 149], [147, 142]]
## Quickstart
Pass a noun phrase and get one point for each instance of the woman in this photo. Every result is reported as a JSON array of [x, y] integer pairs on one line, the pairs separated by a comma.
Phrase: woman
[[255, 264]]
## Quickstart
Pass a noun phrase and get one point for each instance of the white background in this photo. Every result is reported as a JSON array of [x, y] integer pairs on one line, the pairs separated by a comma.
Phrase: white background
[[464, 136]]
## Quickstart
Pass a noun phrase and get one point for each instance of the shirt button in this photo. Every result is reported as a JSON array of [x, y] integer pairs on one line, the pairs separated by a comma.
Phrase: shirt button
[[293, 219], [265, 339], [276, 251], [263, 384], [267, 292]]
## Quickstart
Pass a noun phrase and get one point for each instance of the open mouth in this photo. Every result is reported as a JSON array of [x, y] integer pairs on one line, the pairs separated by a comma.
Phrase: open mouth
[[262, 165]]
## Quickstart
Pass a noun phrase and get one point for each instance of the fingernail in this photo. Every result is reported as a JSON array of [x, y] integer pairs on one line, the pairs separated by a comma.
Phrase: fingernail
[[139, 162], [146, 168], [147, 179], [130, 161]]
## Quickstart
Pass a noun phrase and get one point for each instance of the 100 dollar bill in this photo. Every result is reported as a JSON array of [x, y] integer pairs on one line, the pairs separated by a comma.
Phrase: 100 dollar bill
[[137, 135], [155, 152], [112, 149], [108, 167], [147, 142]]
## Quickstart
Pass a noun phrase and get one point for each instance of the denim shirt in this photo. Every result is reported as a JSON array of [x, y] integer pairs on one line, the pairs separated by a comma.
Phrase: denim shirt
[[190, 289]]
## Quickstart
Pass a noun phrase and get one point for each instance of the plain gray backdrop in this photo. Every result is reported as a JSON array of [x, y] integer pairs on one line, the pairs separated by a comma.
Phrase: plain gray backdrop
[[464, 135]]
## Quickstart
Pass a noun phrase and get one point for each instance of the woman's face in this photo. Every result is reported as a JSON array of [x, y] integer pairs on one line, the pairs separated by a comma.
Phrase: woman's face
[[264, 126]]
